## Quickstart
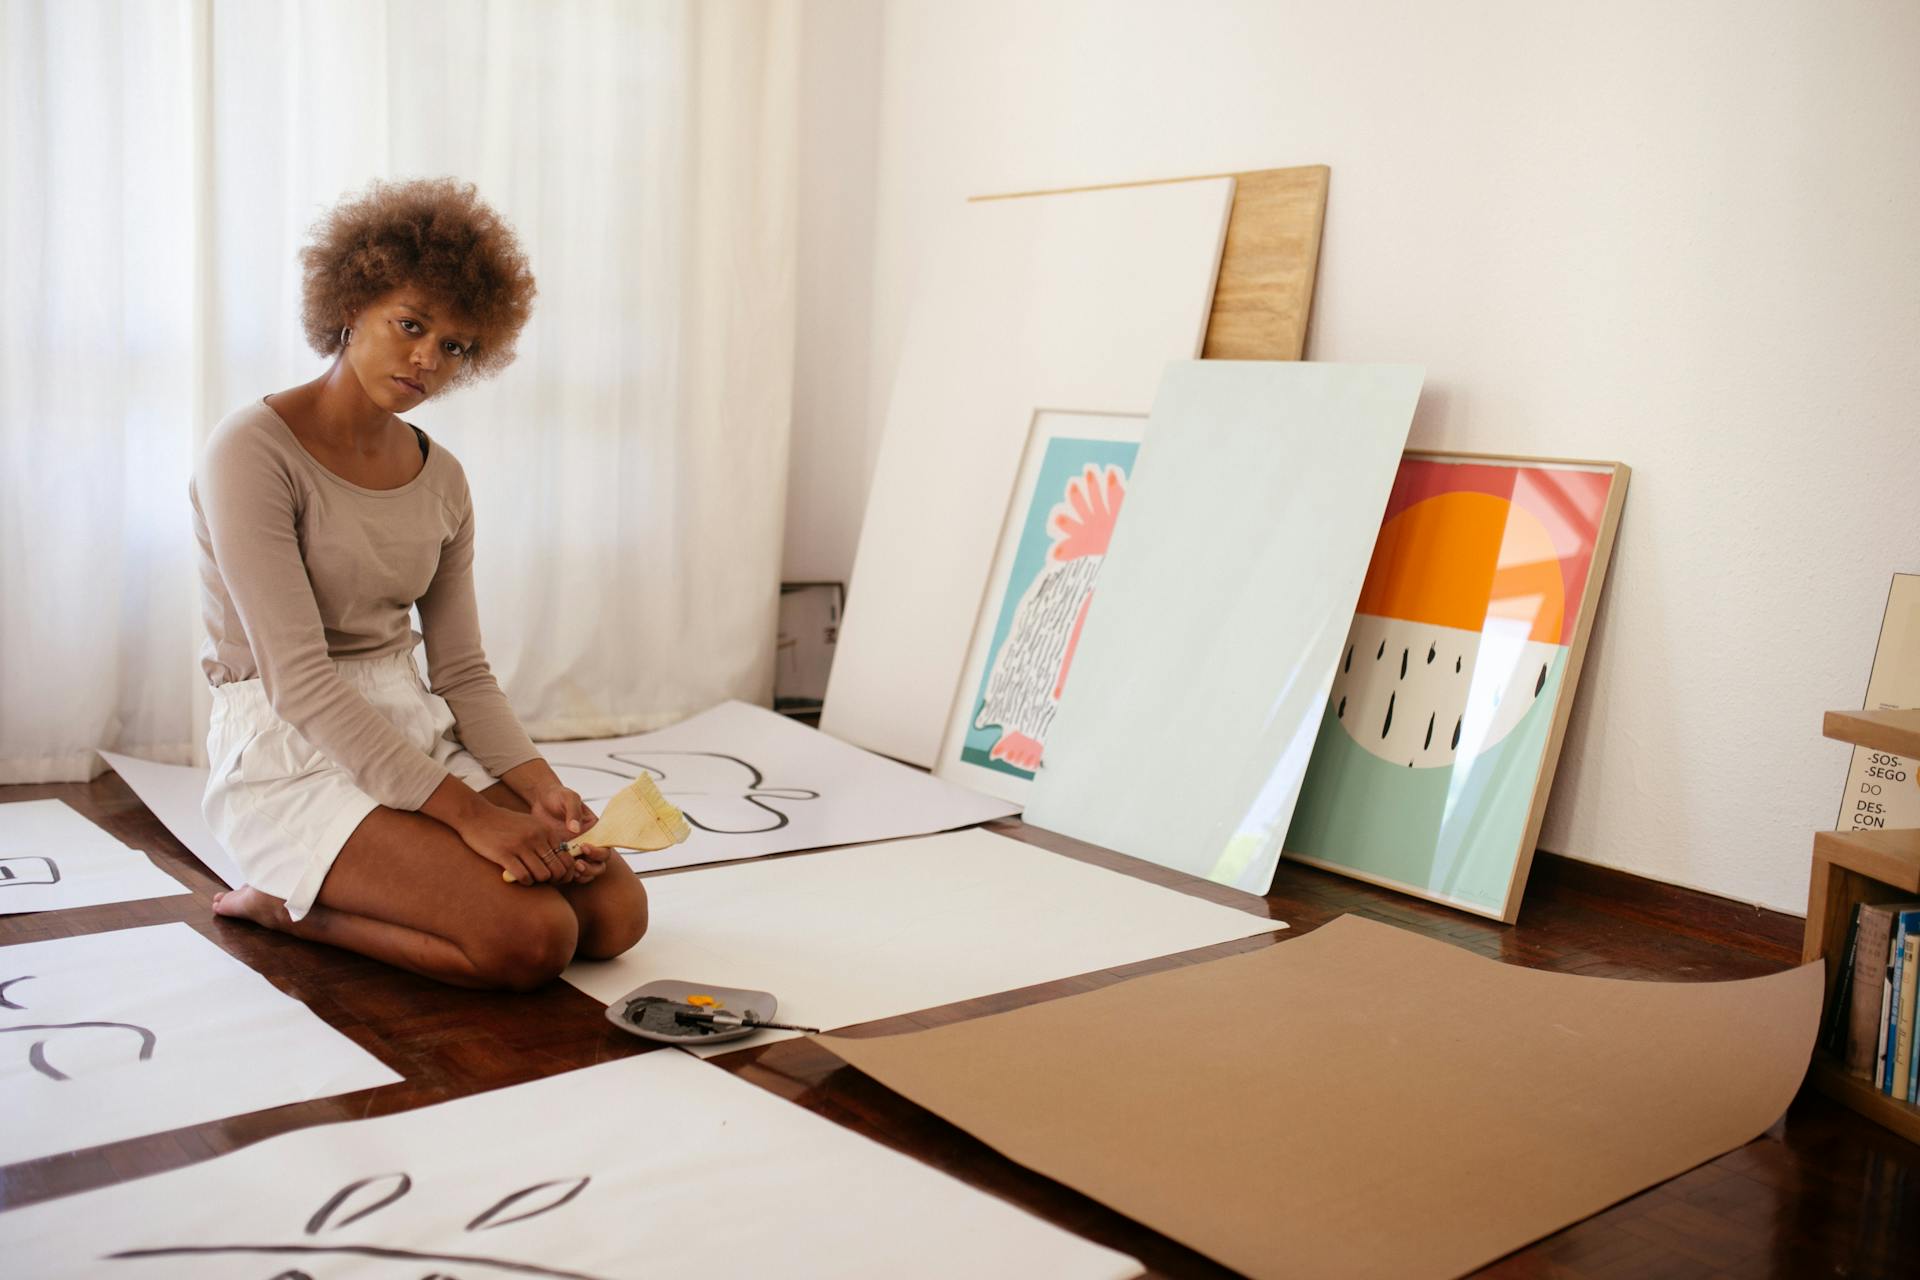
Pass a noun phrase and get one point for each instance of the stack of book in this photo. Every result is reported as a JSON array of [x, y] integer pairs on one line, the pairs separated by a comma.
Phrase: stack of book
[[1872, 1016]]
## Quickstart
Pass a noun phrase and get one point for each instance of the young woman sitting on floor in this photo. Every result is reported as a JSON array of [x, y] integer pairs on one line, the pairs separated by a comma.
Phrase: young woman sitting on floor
[[367, 810]]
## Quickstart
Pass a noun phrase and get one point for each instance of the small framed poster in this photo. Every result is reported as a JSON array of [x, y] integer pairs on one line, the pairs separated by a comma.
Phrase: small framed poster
[[1066, 503]]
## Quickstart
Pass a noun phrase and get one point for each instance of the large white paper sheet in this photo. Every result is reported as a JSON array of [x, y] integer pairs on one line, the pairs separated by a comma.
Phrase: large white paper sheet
[[753, 782], [852, 935], [110, 1036], [52, 858], [173, 792], [655, 1165], [1067, 301], [1206, 656]]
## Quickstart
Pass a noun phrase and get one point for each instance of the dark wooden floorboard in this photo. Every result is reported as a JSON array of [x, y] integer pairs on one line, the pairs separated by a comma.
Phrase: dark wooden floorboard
[[1823, 1193]]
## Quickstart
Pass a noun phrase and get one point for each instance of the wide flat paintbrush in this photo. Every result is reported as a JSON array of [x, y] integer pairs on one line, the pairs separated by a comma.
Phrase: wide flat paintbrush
[[638, 818]]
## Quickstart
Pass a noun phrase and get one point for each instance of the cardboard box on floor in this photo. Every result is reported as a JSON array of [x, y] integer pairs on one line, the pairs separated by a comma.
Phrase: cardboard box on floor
[[1363, 1101]]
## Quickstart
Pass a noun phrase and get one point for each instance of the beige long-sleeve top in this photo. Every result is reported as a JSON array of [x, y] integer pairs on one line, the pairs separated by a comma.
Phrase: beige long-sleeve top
[[298, 566]]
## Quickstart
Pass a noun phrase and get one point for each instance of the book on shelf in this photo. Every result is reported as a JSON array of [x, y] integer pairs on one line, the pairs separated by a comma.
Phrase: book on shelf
[[1909, 967], [1833, 1036], [1867, 1014], [1900, 988]]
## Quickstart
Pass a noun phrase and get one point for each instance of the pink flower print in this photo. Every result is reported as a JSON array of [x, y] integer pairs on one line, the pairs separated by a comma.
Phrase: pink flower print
[[1083, 524]]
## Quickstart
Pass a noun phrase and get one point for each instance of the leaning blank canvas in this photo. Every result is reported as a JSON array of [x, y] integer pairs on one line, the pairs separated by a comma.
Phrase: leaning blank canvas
[[1362, 1101], [52, 858], [1207, 652], [1074, 300], [107, 1036], [853, 935], [656, 1165]]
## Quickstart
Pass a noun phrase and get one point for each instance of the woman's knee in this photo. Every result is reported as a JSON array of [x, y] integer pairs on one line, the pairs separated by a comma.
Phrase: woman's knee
[[529, 947], [615, 916]]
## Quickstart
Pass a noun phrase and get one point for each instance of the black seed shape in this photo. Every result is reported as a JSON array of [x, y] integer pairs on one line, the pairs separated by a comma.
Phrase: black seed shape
[[1403, 664], [1456, 734], [1382, 653], [1348, 664], [1431, 650], [1456, 666], [1429, 741], [1541, 683], [1340, 712], [1389, 724]]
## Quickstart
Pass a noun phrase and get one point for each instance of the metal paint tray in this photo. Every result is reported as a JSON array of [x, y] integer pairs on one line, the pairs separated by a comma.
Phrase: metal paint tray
[[629, 1012]]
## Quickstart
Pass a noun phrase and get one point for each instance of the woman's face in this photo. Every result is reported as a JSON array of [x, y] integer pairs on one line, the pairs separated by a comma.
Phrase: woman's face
[[405, 347]]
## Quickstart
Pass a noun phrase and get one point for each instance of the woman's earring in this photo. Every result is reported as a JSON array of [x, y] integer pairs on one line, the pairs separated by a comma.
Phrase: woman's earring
[[346, 334]]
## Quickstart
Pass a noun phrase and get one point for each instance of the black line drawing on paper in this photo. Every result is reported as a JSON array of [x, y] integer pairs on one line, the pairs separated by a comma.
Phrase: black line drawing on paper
[[5, 1001], [365, 1197], [37, 1053], [719, 794], [14, 871]]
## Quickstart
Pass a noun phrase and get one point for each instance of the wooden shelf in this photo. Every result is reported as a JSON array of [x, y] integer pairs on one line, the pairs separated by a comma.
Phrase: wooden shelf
[[1895, 731], [1851, 868], [1890, 857], [1830, 1078]]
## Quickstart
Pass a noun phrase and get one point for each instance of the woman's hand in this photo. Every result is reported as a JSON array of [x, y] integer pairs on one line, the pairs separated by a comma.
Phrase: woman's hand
[[562, 807], [523, 845]]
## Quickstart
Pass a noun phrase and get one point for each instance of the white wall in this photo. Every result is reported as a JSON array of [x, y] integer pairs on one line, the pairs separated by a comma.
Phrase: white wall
[[1683, 236]]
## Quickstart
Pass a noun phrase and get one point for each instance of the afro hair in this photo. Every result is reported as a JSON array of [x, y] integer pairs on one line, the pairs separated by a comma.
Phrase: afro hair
[[433, 234]]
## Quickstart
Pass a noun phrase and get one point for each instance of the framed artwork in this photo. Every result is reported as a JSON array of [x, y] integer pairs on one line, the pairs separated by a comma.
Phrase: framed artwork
[[1066, 504], [1436, 752]]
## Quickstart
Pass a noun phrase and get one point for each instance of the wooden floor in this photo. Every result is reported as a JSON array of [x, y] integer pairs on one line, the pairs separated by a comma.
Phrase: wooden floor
[[1823, 1193]]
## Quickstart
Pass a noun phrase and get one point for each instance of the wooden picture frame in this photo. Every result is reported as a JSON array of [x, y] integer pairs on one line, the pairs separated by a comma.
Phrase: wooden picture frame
[[1443, 729]]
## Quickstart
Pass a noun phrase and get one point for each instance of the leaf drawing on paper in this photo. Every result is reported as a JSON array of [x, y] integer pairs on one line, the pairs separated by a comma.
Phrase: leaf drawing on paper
[[387, 1187], [24, 871], [549, 1199], [7, 1002], [1030, 666], [37, 1052], [720, 794], [365, 1197], [711, 788]]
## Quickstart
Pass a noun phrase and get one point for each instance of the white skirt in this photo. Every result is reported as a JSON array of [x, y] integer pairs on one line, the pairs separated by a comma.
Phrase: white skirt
[[280, 806]]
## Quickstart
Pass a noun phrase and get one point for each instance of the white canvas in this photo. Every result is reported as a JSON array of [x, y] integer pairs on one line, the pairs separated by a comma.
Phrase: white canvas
[[852, 935], [173, 792], [753, 782], [656, 1165], [52, 858], [1073, 301], [1206, 657], [1053, 541], [109, 1036]]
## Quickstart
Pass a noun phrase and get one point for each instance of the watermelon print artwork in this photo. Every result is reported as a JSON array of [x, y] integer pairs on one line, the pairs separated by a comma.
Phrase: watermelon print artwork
[[1436, 751]]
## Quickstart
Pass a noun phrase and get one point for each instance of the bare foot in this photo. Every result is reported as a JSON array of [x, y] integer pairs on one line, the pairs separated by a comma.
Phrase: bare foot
[[248, 903]]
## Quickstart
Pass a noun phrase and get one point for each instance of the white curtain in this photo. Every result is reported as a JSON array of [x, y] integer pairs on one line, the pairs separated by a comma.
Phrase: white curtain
[[162, 163]]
